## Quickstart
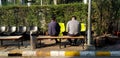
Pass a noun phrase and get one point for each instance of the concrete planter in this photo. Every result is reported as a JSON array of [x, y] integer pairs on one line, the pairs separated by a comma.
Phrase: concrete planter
[[112, 39], [100, 42]]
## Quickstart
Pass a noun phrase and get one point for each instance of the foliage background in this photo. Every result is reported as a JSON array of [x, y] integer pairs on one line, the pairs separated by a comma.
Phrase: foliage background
[[103, 13]]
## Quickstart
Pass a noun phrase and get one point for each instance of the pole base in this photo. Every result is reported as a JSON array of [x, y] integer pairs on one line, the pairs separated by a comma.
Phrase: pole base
[[90, 47]]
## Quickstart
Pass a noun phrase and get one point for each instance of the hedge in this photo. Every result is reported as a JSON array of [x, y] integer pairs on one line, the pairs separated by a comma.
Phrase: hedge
[[35, 15]]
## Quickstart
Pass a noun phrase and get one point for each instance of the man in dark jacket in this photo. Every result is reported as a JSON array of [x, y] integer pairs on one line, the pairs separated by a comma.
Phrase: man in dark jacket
[[53, 28]]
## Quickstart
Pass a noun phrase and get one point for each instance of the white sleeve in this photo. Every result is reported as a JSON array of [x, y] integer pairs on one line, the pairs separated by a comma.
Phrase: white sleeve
[[67, 26]]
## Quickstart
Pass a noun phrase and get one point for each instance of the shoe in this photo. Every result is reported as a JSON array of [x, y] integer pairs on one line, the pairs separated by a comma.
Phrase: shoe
[[57, 42], [75, 44], [72, 44]]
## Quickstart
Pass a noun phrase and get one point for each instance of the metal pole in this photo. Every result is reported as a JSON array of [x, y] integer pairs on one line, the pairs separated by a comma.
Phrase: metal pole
[[89, 24], [0, 3], [32, 41]]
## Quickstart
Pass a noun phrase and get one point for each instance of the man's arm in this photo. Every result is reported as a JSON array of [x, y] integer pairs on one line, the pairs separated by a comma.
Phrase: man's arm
[[67, 26], [58, 28], [49, 30], [79, 26]]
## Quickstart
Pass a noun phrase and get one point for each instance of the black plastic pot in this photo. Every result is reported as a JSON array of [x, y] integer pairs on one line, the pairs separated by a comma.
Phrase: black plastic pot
[[33, 28], [22, 29], [12, 29], [2, 29]]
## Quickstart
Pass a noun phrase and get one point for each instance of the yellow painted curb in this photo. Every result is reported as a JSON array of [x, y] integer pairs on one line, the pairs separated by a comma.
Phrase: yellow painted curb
[[16, 51], [103, 53], [43, 53], [72, 53]]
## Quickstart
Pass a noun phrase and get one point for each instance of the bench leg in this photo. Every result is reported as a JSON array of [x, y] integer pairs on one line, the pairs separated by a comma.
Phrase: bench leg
[[40, 43], [85, 40], [60, 44], [1, 42], [83, 44], [21, 42]]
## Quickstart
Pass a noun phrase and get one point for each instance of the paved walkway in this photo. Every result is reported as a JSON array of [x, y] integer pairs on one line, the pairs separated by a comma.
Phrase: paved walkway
[[48, 45]]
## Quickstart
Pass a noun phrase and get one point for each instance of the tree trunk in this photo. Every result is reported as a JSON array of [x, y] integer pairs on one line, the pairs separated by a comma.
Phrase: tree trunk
[[55, 2], [41, 2]]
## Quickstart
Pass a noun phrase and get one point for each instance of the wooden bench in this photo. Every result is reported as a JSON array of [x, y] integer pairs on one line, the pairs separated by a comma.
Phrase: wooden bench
[[62, 37], [11, 38]]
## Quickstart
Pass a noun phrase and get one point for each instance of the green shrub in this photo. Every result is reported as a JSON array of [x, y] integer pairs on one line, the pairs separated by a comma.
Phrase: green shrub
[[33, 15]]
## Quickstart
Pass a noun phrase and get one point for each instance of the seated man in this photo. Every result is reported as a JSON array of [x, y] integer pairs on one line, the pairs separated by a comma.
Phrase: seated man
[[73, 29], [53, 28]]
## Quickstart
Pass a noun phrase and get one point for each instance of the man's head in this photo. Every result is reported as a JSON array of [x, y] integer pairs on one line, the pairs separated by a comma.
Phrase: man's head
[[73, 17], [53, 18]]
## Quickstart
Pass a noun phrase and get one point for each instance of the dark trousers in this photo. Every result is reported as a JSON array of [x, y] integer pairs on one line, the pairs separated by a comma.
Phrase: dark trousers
[[75, 40], [56, 38]]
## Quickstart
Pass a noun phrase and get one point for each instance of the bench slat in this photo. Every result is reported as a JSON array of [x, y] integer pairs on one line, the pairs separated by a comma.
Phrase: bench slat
[[9, 37], [65, 37]]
